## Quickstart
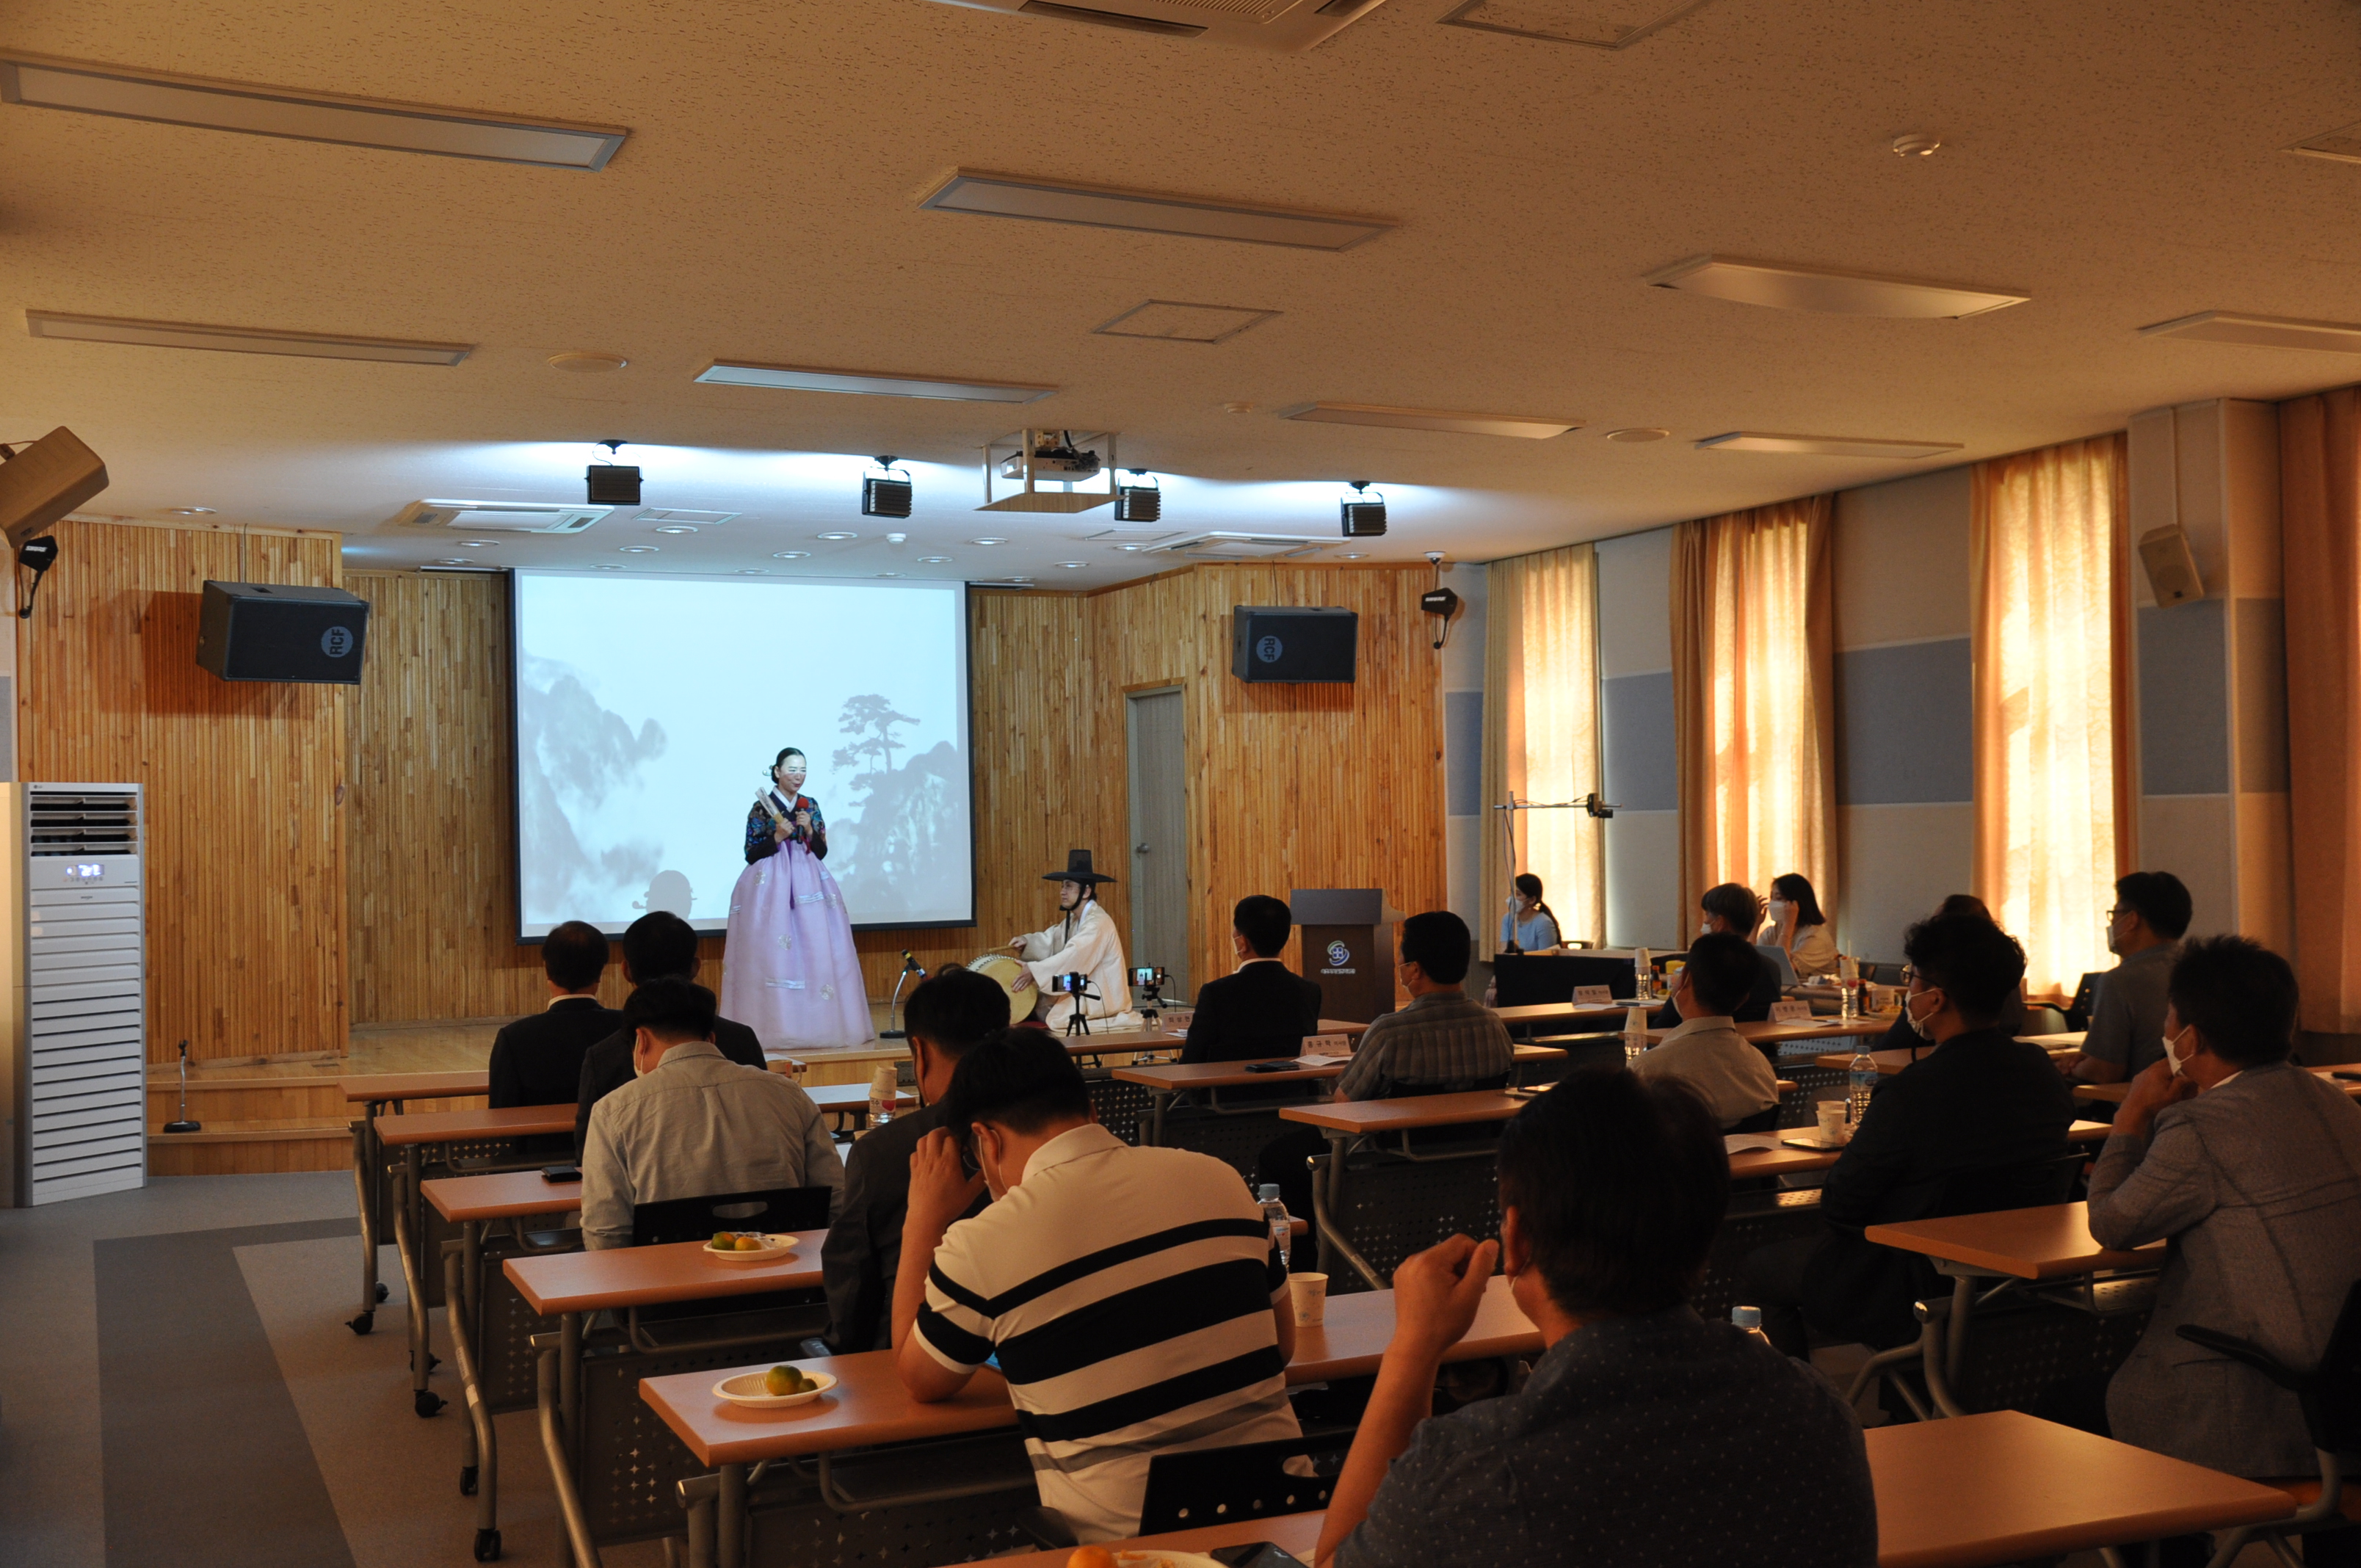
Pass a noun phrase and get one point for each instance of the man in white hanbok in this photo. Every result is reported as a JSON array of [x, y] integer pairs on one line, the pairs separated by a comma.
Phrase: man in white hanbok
[[1083, 943]]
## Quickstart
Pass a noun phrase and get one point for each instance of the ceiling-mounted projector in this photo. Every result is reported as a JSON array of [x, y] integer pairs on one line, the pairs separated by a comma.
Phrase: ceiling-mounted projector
[[42, 480], [505, 516], [1059, 460], [1291, 25]]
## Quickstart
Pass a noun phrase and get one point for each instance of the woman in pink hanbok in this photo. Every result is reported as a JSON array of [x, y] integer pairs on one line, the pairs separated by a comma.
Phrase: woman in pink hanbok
[[789, 971]]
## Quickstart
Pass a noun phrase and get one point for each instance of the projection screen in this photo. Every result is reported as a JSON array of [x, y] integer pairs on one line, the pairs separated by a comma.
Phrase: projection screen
[[647, 711]]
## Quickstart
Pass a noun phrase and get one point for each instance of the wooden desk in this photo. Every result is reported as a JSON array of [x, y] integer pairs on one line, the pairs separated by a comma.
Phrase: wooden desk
[[2069, 1041], [1756, 1164], [845, 1103], [2020, 1244], [1296, 1534], [1893, 1061], [1352, 1341], [506, 1195], [2113, 1093], [457, 1126], [2004, 1488], [1361, 1118], [620, 1278], [376, 1093]]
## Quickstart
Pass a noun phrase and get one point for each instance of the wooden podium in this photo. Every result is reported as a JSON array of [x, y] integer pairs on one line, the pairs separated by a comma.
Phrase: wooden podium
[[1348, 949]]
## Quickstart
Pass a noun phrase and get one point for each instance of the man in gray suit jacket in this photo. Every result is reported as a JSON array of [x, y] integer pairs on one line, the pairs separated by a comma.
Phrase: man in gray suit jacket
[[2251, 1166]]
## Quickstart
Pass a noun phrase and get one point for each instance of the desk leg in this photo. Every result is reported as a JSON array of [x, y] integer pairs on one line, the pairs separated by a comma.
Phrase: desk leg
[[479, 1442], [700, 1509], [413, 1282], [1159, 1098], [569, 1374], [730, 1530], [1331, 1261], [561, 1465], [1942, 1344], [364, 1153]]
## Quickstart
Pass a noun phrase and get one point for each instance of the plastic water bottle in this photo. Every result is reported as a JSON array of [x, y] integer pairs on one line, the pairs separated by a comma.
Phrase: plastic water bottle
[[1861, 1079], [884, 1092], [1750, 1320], [1848, 984], [1635, 1034], [1274, 1213], [1643, 975]]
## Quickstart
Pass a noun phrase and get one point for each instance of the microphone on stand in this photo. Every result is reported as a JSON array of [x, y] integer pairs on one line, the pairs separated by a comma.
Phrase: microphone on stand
[[910, 965]]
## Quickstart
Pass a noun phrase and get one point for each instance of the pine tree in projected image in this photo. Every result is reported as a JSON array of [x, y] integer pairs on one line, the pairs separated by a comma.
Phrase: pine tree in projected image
[[906, 824]]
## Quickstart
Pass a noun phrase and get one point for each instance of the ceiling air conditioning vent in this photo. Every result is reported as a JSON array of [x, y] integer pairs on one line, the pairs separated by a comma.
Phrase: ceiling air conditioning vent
[[508, 517], [1291, 25], [1219, 546]]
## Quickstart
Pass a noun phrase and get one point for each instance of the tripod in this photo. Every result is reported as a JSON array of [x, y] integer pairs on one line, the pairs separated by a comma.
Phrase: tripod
[[1077, 1023]]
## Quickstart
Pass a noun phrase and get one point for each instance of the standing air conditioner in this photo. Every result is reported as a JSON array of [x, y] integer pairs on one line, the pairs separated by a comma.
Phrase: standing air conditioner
[[72, 991]]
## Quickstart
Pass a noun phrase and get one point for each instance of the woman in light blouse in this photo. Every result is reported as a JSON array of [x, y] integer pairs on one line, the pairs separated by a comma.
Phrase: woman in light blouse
[[1529, 927], [1798, 925]]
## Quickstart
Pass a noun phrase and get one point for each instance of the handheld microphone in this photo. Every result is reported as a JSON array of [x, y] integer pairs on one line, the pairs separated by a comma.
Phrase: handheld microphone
[[911, 965]]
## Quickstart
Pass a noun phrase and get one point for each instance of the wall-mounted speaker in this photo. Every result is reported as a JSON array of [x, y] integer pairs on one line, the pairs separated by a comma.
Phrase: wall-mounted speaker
[[276, 631], [1307, 645], [2171, 569]]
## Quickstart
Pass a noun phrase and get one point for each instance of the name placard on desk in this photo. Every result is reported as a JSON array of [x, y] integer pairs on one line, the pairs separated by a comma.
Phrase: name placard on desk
[[1790, 1012], [1594, 995], [1328, 1044]]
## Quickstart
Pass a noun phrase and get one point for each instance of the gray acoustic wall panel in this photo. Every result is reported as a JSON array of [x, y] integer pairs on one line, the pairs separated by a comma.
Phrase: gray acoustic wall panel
[[1905, 724]]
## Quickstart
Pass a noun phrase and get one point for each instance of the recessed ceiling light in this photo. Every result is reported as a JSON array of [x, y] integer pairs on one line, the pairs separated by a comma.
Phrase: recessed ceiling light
[[454, 561], [1094, 206], [676, 528], [889, 574], [934, 559], [1431, 419], [2260, 332], [1169, 321], [881, 384], [1915, 145], [587, 363], [1353, 555], [1016, 579], [132, 94], [1073, 566], [752, 572], [606, 568], [480, 543], [790, 554], [1826, 445], [987, 541], [638, 549], [836, 535], [1131, 547], [192, 511], [1826, 290], [1637, 432], [240, 340]]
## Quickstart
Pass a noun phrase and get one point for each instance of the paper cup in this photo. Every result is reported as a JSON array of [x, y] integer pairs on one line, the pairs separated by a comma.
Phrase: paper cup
[[1831, 1113], [1310, 1292]]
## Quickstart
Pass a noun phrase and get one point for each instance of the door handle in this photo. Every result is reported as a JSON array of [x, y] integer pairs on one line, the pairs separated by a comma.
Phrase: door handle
[[1139, 848]]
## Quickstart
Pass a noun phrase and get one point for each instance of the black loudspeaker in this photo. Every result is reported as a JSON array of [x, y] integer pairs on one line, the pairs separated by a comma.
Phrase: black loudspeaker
[[273, 631], [1270, 644]]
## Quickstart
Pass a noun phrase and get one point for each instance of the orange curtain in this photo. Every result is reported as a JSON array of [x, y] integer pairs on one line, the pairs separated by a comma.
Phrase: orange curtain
[[1541, 736], [2056, 777], [2320, 516], [1754, 697]]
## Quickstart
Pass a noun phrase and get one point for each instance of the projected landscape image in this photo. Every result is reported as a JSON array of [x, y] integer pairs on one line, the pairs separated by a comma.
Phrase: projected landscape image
[[648, 712]]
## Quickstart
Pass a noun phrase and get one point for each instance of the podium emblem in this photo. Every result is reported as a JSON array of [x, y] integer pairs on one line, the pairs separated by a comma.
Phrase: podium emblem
[[1338, 953]]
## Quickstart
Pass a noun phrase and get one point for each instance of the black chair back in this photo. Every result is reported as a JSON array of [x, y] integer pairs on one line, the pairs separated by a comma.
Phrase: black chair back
[[696, 1218], [2078, 1012], [2330, 1393], [1247, 1481], [1760, 1121], [1404, 1088]]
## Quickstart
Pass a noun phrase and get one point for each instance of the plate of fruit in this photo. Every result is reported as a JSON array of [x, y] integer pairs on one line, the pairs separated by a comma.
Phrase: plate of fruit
[[775, 1389], [750, 1246]]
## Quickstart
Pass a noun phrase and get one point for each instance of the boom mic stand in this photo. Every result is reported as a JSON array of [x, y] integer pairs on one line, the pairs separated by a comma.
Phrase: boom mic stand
[[910, 965]]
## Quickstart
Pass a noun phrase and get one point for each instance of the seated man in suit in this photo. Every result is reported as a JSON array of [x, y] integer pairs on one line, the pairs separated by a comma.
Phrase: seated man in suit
[[537, 1060], [2144, 930], [1733, 910], [2251, 1167], [1729, 1071], [692, 1123], [1624, 1445], [659, 945], [1261, 1010], [946, 1015], [1980, 1124]]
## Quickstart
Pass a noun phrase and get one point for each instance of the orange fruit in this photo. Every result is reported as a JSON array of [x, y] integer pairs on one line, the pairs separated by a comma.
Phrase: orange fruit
[[1090, 1557], [749, 1244]]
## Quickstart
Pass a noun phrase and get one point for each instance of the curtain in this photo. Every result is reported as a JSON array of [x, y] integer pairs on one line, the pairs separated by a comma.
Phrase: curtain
[[1540, 737], [1754, 697], [2320, 513], [2056, 782]]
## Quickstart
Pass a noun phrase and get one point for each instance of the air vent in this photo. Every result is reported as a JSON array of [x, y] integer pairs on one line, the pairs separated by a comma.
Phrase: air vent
[[2343, 144], [1220, 546], [1593, 24], [507, 517], [84, 824], [688, 519], [1287, 24], [1172, 321]]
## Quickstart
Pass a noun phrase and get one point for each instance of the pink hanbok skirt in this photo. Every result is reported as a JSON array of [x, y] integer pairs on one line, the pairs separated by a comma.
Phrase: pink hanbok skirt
[[789, 971]]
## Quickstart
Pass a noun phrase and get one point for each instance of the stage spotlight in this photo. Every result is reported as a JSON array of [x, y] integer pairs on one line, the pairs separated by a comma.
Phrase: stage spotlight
[[1363, 514], [1136, 502], [609, 483], [885, 491]]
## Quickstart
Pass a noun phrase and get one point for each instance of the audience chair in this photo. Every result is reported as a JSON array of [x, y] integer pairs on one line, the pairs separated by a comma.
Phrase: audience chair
[[1248, 1480], [2330, 1395], [696, 1218]]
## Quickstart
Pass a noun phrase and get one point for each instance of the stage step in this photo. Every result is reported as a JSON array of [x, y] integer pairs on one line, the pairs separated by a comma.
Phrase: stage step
[[234, 1146]]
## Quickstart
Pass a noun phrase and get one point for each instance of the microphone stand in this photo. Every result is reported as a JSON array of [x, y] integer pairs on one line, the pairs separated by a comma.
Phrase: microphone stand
[[184, 1124], [909, 967]]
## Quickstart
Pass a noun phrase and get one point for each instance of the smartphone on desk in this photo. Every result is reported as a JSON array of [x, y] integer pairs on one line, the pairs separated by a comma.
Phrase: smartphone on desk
[[561, 1173], [1287, 1065], [2347, 1077], [1817, 1145], [1254, 1555]]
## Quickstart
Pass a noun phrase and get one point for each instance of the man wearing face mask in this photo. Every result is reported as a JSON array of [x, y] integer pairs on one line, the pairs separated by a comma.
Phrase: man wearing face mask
[[1083, 942], [1132, 1295], [1978, 1125], [2251, 1167], [2144, 930], [1732, 908]]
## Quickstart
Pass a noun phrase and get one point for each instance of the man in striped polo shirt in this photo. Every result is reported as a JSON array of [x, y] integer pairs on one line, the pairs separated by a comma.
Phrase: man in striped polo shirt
[[1132, 1295]]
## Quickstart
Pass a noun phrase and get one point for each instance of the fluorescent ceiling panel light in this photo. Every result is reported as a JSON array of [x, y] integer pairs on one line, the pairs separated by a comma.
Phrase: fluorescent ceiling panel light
[[2343, 144], [240, 339], [2261, 331], [129, 94], [510, 517], [792, 378], [674, 514], [1596, 24], [1431, 419], [1821, 288], [1092, 206], [1221, 545], [1826, 445], [1172, 321]]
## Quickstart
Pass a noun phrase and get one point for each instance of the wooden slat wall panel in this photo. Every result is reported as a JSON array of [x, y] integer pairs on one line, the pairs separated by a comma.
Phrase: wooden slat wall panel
[[1331, 787], [246, 834]]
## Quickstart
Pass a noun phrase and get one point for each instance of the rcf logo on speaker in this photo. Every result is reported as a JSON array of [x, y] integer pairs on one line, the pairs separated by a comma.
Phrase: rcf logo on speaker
[[337, 641], [1338, 953], [1268, 649]]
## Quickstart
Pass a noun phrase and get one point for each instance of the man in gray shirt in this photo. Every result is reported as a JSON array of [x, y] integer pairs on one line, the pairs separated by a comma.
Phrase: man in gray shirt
[[1445, 1039], [2144, 929], [692, 1123]]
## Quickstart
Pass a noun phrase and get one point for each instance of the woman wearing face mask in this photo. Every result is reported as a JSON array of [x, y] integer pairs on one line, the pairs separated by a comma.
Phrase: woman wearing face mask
[[1798, 925], [790, 970], [1529, 927]]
